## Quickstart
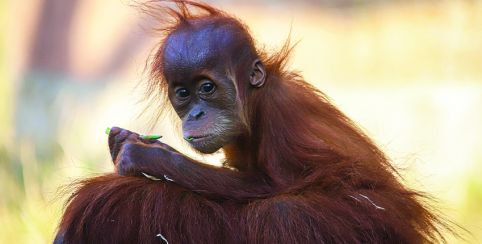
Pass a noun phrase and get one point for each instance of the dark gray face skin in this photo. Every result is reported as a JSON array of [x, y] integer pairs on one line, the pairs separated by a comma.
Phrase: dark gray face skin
[[200, 90]]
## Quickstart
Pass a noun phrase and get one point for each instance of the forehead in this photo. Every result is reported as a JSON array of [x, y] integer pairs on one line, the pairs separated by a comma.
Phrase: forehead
[[198, 47]]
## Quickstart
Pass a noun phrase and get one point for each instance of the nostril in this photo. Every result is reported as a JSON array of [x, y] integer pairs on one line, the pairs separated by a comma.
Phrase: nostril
[[199, 114], [196, 113]]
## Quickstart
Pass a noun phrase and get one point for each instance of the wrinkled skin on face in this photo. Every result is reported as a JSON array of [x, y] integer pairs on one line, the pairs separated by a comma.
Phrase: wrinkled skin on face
[[197, 67]]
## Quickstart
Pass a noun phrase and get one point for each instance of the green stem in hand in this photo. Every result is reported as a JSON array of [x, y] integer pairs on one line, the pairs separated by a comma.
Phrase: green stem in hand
[[145, 137], [151, 137]]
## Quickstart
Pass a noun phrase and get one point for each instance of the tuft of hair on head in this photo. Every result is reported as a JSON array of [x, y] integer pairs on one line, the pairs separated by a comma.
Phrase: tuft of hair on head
[[277, 62], [168, 16]]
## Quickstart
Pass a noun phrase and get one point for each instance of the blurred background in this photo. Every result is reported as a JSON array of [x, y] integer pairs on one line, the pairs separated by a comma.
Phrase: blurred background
[[408, 72]]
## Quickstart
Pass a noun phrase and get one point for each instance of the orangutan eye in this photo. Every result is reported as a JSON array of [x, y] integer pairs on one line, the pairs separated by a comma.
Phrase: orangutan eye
[[182, 93], [207, 88]]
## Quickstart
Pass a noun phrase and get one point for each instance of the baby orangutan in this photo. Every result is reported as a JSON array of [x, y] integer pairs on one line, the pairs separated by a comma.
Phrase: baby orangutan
[[297, 170]]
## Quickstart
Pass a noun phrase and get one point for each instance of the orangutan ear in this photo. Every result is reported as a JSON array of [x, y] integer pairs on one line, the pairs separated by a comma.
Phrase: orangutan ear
[[258, 74]]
